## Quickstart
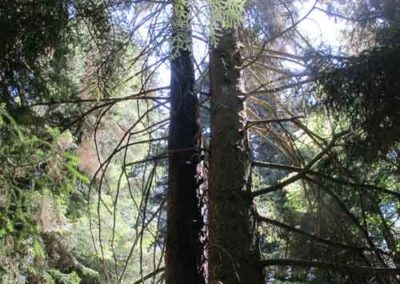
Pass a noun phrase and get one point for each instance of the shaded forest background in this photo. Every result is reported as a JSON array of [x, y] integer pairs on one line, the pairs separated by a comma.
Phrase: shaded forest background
[[263, 158]]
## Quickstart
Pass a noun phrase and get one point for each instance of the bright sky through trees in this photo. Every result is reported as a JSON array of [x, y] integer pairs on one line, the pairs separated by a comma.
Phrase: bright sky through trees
[[318, 28]]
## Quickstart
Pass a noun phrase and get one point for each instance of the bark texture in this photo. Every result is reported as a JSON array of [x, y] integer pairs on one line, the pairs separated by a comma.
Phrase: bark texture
[[233, 252], [184, 225]]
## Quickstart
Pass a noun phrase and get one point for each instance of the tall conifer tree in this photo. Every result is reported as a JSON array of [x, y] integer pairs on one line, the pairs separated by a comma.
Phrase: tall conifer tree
[[183, 247]]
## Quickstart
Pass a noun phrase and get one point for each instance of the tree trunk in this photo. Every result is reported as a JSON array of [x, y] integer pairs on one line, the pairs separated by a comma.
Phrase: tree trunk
[[233, 252], [184, 220]]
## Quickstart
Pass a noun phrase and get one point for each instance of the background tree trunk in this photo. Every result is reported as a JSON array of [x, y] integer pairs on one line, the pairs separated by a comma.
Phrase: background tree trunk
[[233, 252], [183, 246]]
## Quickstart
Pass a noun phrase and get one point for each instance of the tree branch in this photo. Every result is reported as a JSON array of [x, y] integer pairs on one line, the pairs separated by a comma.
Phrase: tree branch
[[332, 266], [251, 123], [303, 172], [308, 235], [148, 276]]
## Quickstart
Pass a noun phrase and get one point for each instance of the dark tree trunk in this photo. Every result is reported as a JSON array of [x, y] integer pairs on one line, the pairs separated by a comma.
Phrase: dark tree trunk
[[233, 253], [184, 220]]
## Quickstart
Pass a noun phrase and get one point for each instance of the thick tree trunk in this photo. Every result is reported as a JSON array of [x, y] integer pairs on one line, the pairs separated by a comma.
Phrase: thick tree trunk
[[233, 253], [184, 223]]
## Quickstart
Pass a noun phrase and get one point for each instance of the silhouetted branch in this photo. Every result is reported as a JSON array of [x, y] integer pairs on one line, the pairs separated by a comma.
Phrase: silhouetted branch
[[332, 266]]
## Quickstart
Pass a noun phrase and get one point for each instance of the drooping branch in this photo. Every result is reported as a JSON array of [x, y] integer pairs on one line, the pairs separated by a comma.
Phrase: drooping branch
[[351, 217], [303, 172], [378, 189], [308, 235]]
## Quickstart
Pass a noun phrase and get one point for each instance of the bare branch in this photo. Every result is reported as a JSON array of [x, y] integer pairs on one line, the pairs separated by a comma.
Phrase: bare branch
[[303, 172], [308, 235], [251, 123], [332, 266], [150, 275]]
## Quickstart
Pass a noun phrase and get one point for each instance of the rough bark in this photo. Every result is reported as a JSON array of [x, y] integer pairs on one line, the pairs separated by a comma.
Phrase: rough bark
[[184, 223], [233, 253]]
